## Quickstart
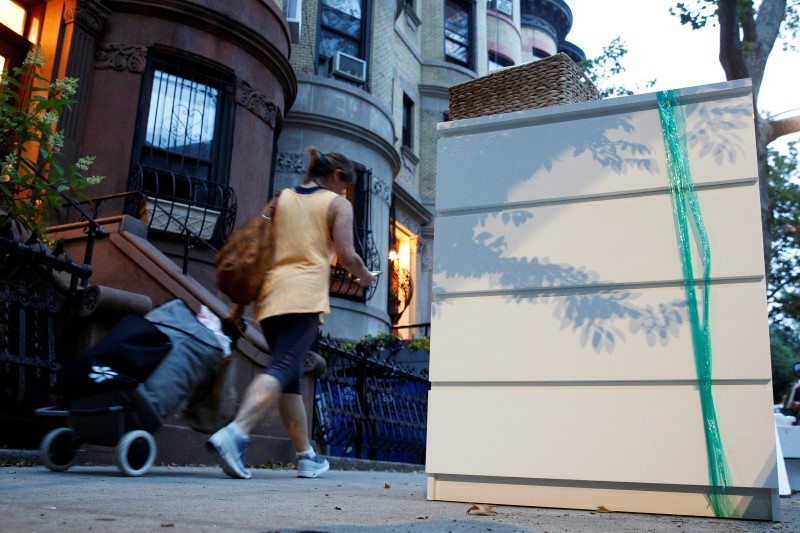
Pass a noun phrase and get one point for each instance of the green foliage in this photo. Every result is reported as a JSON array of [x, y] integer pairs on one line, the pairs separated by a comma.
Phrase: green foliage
[[381, 341], [705, 12], [702, 13], [784, 195], [420, 343], [783, 358], [346, 346], [791, 26], [387, 341], [33, 179], [603, 70]]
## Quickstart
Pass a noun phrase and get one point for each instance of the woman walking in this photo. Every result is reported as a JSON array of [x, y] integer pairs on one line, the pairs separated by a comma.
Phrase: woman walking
[[312, 222]]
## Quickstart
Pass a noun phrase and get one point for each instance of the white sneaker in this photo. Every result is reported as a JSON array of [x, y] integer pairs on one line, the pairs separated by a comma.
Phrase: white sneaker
[[312, 467], [229, 449]]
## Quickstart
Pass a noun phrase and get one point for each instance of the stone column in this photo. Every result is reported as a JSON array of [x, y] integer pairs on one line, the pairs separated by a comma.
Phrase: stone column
[[84, 21]]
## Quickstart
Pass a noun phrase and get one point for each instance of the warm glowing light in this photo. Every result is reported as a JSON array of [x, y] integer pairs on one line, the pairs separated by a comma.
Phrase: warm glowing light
[[404, 253], [12, 15], [392, 255]]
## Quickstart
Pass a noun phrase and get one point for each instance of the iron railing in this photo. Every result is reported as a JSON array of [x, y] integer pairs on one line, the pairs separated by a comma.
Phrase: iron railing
[[191, 209], [369, 408], [343, 284], [412, 331]]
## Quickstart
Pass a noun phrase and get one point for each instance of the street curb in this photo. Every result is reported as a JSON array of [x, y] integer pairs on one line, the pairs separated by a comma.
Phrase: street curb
[[18, 456], [13, 457]]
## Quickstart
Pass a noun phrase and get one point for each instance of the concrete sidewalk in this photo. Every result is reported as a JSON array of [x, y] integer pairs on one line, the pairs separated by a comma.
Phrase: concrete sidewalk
[[99, 498]]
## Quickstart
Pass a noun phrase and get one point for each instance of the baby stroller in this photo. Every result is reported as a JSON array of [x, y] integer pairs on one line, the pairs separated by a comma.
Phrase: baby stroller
[[121, 390]]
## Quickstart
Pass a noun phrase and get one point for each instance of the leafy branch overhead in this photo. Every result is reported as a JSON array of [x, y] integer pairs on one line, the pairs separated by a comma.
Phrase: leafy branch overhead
[[34, 179], [748, 32]]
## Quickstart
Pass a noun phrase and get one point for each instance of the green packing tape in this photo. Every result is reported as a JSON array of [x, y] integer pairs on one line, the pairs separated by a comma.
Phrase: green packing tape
[[686, 211]]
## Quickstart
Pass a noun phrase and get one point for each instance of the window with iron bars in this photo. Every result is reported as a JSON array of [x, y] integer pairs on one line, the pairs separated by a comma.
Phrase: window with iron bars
[[343, 284], [185, 122]]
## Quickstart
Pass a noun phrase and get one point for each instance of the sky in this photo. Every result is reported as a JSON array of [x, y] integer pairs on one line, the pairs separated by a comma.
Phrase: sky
[[675, 56]]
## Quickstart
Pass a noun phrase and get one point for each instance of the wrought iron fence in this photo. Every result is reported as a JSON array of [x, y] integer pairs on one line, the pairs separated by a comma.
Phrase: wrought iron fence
[[369, 408], [39, 290]]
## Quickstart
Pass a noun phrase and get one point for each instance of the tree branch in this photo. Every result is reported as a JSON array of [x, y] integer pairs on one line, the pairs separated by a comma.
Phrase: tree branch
[[731, 56], [761, 40], [778, 128]]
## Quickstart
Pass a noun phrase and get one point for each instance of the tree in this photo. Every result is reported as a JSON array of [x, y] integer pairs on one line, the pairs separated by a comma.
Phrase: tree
[[602, 70], [784, 280], [747, 36], [782, 350]]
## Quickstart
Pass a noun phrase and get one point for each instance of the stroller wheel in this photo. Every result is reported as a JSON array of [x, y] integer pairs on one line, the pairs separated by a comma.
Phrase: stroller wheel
[[135, 452], [59, 449]]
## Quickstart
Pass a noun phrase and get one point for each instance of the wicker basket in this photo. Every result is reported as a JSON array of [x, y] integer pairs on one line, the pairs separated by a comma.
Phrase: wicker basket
[[555, 80]]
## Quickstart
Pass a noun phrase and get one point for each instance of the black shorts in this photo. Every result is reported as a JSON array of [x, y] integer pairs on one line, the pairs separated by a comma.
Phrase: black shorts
[[290, 337]]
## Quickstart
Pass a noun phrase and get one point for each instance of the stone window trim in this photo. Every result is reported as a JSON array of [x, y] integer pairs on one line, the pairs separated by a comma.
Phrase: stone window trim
[[410, 159], [412, 19]]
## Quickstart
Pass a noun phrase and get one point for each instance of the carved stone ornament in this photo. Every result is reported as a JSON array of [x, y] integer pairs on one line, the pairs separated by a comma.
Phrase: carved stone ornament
[[382, 191], [290, 162], [121, 57], [91, 15], [256, 102]]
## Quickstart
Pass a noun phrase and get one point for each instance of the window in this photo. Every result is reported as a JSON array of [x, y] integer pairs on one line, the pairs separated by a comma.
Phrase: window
[[342, 28], [497, 61], [458, 33], [343, 284], [185, 118], [19, 29], [506, 7], [408, 121]]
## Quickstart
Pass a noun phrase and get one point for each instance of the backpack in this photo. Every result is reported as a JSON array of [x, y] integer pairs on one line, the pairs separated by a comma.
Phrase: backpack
[[245, 258]]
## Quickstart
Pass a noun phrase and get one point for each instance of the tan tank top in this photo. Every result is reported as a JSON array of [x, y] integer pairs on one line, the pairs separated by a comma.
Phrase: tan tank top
[[298, 281]]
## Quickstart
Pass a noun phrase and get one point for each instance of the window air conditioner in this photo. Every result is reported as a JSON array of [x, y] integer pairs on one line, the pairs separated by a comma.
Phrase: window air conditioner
[[348, 67], [294, 17]]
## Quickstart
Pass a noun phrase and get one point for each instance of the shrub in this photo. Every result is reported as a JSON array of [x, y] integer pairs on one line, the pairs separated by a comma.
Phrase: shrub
[[33, 180]]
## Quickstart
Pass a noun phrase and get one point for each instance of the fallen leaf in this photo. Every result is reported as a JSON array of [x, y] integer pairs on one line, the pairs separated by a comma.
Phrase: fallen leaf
[[422, 518], [387, 486], [338, 508], [602, 509], [167, 524], [481, 509]]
